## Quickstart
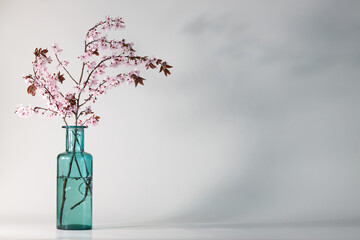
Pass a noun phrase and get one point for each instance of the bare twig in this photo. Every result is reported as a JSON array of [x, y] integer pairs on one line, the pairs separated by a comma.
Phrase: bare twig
[[65, 68], [83, 199], [44, 109]]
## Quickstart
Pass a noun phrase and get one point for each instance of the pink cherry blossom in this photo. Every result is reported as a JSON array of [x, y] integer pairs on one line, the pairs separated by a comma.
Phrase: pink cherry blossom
[[92, 121], [24, 111], [88, 110], [99, 54], [56, 49]]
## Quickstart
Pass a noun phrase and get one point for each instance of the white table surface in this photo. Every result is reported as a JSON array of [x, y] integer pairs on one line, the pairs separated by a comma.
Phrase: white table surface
[[183, 231]]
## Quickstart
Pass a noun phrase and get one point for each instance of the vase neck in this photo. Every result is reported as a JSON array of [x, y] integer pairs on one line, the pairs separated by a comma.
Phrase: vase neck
[[74, 139]]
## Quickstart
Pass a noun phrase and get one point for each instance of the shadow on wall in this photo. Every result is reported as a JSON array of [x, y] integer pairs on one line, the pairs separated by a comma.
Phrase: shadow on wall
[[302, 161]]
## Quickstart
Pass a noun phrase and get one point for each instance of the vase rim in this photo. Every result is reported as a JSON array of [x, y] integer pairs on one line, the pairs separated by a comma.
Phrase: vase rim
[[72, 127]]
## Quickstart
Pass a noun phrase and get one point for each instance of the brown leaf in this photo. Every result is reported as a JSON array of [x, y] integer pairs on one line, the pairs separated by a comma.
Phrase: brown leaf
[[167, 65], [152, 66], [31, 90], [72, 101], [137, 79], [158, 61], [43, 52], [166, 71], [96, 52], [97, 118], [40, 51], [164, 67], [60, 77]]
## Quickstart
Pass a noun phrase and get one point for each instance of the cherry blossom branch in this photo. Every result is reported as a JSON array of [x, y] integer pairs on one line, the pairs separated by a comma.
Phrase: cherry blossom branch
[[82, 72], [82, 68], [91, 95], [130, 58], [65, 69], [94, 27], [87, 80], [96, 41], [86, 121], [101, 23], [64, 119], [106, 41], [44, 109], [47, 90]]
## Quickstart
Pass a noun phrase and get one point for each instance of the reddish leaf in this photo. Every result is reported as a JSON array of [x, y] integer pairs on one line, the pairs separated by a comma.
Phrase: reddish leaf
[[164, 67], [41, 52], [137, 79], [152, 66], [71, 99], [36, 52], [60, 77], [167, 65], [96, 52], [72, 102], [166, 71], [31, 90]]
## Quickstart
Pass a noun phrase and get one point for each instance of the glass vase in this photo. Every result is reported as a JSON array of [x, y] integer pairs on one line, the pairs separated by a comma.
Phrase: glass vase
[[74, 183]]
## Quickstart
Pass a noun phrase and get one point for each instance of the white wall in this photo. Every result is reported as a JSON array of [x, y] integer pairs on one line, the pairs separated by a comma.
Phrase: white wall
[[259, 120]]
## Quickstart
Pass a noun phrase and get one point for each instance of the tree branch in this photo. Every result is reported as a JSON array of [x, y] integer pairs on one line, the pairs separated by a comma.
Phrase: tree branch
[[65, 68]]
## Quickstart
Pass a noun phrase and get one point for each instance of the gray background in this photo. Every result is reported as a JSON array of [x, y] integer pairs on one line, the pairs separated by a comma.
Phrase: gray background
[[258, 122]]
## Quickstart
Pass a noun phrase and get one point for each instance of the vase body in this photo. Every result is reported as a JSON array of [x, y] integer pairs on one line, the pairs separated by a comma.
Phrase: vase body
[[74, 183]]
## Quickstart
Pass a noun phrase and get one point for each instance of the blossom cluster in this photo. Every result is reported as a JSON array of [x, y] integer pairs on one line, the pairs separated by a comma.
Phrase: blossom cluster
[[100, 53]]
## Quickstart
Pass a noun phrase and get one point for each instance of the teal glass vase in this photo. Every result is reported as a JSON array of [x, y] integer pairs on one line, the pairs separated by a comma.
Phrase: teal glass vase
[[74, 183]]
